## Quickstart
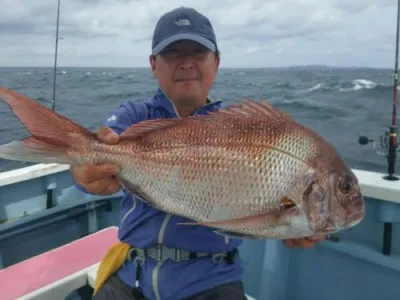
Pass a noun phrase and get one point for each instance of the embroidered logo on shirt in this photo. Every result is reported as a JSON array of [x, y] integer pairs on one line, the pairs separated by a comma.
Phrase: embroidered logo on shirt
[[112, 118]]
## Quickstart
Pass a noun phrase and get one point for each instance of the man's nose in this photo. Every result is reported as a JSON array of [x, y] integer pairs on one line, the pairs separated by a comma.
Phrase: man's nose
[[187, 62]]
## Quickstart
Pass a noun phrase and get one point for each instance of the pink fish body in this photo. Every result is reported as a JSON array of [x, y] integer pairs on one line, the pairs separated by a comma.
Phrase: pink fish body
[[248, 170]]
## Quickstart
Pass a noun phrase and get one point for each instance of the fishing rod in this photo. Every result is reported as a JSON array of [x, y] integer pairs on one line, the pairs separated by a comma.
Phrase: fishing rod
[[393, 129], [55, 58], [388, 141], [50, 196]]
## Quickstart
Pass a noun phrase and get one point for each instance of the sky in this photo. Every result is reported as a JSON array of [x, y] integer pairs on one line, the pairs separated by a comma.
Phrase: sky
[[258, 33]]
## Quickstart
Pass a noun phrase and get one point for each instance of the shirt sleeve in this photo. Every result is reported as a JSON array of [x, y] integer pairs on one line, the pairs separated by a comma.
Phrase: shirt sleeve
[[119, 120]]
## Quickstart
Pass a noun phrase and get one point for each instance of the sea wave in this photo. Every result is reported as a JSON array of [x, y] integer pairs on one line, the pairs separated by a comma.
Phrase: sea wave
[[354, 85]]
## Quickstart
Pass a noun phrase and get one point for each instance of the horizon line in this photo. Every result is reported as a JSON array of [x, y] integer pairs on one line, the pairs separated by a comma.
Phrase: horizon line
[[222, 67]]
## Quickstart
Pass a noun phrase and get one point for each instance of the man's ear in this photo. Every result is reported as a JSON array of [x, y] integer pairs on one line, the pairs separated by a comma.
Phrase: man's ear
[[152, 60], [218, 60]]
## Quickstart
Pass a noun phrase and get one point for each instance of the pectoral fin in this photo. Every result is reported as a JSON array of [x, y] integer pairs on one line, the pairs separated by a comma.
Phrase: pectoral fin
[[235, 235], [287, 208]]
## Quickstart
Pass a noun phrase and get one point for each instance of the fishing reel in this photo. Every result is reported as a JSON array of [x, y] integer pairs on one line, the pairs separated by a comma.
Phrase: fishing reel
[[384, 141], [389, 148]]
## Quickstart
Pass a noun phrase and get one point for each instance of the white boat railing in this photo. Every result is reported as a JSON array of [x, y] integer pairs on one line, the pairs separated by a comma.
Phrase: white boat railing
[[31, 172], [373, 185]]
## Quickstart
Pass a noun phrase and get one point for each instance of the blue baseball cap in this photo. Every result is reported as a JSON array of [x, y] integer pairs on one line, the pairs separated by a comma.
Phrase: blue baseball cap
[[183, 23]]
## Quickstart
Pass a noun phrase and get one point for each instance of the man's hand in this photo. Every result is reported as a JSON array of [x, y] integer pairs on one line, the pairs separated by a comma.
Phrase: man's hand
[[307, 242], [99, 179]]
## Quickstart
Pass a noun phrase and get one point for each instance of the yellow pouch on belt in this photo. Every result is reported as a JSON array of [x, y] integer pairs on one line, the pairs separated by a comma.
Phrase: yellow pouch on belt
[[111, 262]]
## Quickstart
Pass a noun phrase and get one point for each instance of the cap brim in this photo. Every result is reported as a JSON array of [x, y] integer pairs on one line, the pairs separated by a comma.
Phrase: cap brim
[[183, 36]]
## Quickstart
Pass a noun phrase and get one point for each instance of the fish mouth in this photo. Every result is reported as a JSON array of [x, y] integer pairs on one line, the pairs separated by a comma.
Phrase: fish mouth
[[355, 218], [356, 215], [333, 226], [353, 223], [355, 210]]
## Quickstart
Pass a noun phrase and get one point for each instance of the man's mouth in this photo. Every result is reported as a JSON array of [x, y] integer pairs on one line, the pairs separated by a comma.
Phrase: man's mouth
[[186, 79]]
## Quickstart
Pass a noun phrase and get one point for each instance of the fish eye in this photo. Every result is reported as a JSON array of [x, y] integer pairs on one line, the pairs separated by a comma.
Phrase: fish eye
[[345, 185]]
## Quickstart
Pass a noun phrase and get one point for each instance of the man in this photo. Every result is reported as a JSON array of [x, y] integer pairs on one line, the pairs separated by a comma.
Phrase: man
[[202, 265]]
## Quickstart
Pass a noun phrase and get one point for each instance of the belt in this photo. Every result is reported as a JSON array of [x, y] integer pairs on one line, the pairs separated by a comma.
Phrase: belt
[[163, 253]]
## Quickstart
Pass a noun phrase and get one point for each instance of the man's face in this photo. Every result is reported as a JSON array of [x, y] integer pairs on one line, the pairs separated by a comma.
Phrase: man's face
[[186, 71]]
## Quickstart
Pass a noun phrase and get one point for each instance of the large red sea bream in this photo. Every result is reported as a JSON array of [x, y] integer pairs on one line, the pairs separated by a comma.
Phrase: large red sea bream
[[248, 170]]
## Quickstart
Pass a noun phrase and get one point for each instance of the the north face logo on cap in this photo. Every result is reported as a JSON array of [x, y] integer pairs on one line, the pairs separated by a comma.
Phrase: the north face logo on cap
[[183, 22]]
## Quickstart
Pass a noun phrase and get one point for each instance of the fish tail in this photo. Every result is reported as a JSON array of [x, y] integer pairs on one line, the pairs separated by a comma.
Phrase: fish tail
[[54, 138], [33, 150]]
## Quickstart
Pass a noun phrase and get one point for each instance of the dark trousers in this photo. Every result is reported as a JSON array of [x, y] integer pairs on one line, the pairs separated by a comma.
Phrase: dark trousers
[[115, 289]]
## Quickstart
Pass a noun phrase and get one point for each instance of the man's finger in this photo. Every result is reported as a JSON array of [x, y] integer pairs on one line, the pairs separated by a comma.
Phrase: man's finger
[[105, 186], [113, 187], [305, 243], [316, 238], [107, 135], [308, 242], [289, 243], [91, 173]]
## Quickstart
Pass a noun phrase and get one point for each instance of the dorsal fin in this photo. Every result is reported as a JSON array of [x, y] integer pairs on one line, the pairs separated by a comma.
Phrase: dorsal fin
[[147, 126], [250, 109]]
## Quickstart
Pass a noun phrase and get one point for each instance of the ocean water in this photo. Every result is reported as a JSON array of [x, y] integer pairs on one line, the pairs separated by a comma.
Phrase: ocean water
[[339, 103]]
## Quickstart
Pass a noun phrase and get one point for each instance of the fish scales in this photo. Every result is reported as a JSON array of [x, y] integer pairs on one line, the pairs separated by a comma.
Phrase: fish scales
[[193, 177]]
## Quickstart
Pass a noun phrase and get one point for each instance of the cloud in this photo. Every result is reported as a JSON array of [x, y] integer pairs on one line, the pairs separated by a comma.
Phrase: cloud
[[250, 33]]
